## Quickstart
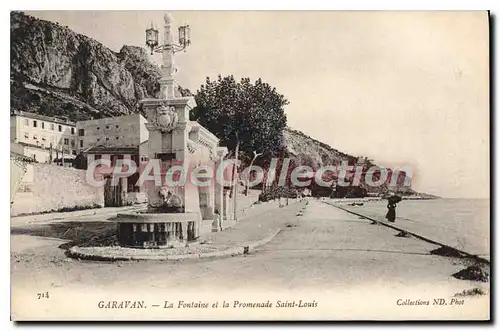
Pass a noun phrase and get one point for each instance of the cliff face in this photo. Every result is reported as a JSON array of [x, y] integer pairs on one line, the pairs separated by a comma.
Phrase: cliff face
[[56, 70], [311, 151], [308, 151]]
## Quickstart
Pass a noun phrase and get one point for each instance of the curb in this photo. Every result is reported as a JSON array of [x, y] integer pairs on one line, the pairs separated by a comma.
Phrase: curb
[[416, 235], [239, 250]]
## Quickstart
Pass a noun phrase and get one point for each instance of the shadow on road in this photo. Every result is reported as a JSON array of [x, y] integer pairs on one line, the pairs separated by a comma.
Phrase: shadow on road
[[76, 233]]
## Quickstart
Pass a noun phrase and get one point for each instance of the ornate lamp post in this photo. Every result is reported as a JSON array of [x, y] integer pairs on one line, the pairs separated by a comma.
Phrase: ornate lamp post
[[168, 48]]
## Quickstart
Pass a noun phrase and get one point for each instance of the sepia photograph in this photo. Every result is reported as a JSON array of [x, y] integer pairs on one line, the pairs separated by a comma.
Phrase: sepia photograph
[[172, 165]]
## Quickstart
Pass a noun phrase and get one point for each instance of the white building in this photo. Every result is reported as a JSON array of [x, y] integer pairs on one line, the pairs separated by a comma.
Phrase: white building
[[116, 138], [39, 136]]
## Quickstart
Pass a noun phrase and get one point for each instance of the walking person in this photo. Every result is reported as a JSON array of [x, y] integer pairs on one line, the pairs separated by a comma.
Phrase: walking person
[[391, 213], [391, 206]]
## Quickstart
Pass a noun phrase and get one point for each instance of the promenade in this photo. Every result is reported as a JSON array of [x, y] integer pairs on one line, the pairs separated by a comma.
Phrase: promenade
[[325, 254]]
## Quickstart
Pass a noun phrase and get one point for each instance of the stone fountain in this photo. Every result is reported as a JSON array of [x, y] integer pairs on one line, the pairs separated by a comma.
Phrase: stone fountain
[[176, 215]]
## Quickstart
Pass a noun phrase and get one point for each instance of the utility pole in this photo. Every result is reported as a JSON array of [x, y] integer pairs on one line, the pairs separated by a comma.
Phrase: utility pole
[[235, 180], [50, 153]]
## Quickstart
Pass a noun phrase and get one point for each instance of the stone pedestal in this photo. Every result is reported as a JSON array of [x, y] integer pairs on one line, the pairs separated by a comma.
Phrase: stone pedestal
[[168, 125], [146, 230], [176, 145]]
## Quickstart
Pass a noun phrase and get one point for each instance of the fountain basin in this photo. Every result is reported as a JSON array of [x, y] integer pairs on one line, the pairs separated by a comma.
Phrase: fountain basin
[[156, 230]]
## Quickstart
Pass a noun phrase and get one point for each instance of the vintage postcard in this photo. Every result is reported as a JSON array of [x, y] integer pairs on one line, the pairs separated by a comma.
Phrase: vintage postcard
[[250, 165]]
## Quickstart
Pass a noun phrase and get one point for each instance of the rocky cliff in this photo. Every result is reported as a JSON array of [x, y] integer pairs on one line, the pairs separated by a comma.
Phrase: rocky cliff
[[55, 71], [308, 151], [311, 151]]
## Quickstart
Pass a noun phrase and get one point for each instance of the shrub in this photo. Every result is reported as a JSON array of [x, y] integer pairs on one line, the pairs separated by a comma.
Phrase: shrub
[[276, 192]]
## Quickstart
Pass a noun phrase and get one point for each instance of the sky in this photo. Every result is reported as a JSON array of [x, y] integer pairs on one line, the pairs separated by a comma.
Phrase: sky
[[402, 88]]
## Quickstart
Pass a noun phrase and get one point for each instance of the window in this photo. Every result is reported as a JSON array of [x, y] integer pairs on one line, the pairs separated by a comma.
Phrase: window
[[43, 125], [73, 152], [52, 127], [107, 138], [81, 143], [98, 139], [98, 128], [60, 128], [72, 143], [44, 138], [97, 157], [34, 124], [107, 127], [34, 157], [117, 126], [72, 130], [81, 132], [66, 141], [26, 122], [35, 136], [116, 138]]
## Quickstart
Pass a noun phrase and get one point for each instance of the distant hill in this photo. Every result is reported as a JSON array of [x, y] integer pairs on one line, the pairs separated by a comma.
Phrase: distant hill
[[309, 151], [57, 72]]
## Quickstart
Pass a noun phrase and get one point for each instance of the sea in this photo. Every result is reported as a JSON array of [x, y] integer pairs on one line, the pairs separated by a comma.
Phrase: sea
[[459, 223]]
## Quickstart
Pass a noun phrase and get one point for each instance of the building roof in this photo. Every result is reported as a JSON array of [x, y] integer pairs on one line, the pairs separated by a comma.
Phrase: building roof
[[102, 149], [195, 126], [110, 119], [42, 117]]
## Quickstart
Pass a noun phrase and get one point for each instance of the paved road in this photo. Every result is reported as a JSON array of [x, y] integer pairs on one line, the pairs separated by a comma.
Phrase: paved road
[[326, 252]]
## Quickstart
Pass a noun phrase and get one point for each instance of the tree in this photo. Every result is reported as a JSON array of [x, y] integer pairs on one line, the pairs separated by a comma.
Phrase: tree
[[244, 116], [241, 114]]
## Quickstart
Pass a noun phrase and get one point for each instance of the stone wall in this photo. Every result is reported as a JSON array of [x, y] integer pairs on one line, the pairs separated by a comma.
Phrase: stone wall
[[47, 187]]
